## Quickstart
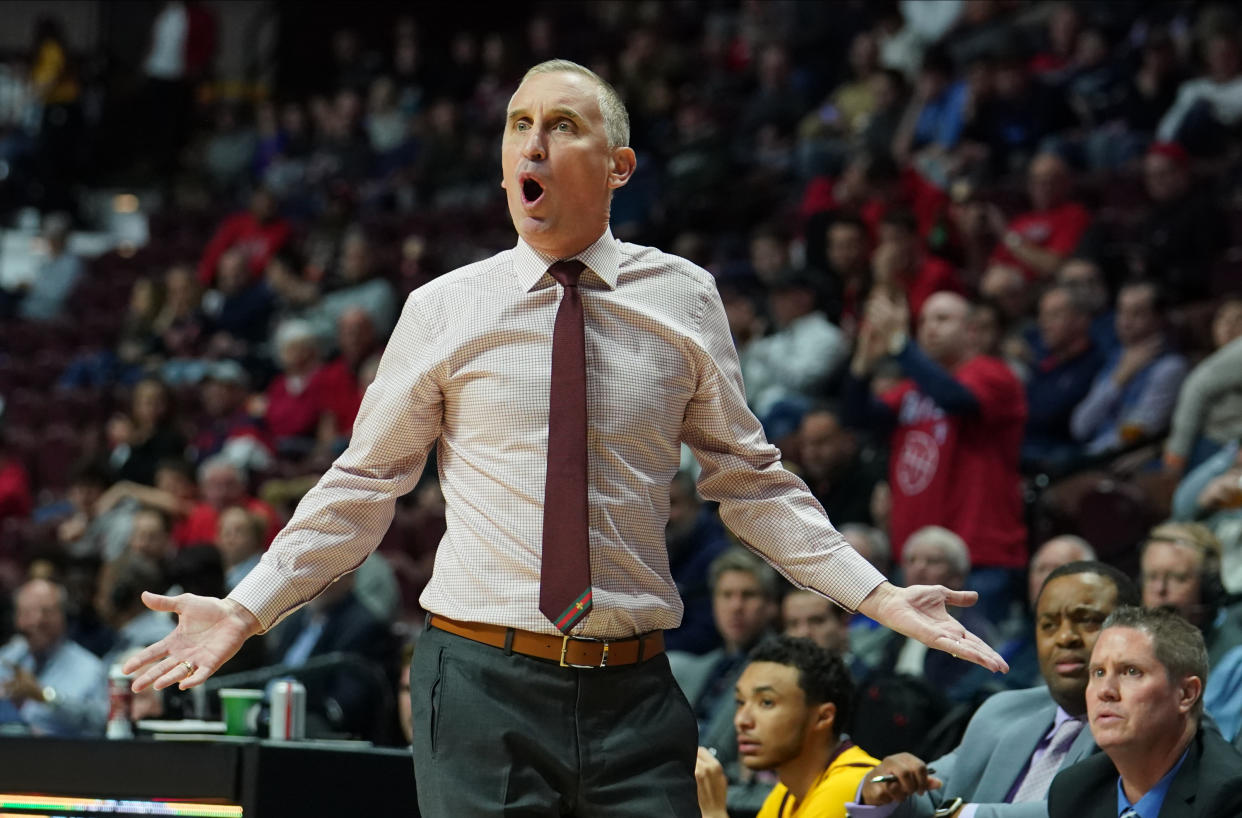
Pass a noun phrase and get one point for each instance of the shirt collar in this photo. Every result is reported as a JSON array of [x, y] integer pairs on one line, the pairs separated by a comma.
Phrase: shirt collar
[[1060, 718], [1150, 804], [603, 258]]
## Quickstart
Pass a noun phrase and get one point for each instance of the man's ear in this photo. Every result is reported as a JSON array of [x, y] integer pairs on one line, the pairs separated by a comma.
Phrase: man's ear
[[621, 167], [826, 717], [1189, 692]]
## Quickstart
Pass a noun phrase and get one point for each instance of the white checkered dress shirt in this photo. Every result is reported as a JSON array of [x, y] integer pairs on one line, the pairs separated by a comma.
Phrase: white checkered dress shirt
[[467, 371]]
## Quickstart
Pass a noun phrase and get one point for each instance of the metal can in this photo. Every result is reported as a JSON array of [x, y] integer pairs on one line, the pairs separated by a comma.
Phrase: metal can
[[288, 721], [120, 701]]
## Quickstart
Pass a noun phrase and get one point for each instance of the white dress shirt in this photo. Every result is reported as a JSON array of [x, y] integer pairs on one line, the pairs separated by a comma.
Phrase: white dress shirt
[[467, 370]]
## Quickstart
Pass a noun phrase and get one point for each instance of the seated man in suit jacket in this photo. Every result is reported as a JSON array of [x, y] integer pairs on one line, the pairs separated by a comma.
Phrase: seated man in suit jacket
[[1145, 707], [337, 622], [1018, 739], [745, 590], [934, 555]]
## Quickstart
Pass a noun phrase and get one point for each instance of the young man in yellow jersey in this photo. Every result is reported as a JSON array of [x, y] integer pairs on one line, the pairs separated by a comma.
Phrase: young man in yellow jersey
[[792, 699]]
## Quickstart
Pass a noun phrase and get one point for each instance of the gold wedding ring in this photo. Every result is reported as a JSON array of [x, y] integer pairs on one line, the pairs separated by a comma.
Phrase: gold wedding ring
[[189, 668]]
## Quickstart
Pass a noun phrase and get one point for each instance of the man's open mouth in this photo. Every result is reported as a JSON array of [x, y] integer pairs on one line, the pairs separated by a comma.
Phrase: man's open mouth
[[532, 191]]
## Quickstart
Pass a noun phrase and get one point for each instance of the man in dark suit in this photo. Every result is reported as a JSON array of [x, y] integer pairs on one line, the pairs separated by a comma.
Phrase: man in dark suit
[[1018, 739], [337, 622], [1145, 708], [745, 590], [933, 554]]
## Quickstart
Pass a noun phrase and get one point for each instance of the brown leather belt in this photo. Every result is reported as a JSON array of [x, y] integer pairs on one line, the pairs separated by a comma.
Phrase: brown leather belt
[[569, 651]]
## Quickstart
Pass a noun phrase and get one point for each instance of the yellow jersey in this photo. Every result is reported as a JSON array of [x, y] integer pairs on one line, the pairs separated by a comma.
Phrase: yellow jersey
[[831, 792]]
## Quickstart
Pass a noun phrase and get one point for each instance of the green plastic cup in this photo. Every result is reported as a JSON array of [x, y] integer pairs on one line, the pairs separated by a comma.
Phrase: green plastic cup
[[241, 710]]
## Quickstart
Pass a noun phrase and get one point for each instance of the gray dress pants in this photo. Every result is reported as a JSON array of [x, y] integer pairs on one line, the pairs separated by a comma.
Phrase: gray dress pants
[[499, 734]]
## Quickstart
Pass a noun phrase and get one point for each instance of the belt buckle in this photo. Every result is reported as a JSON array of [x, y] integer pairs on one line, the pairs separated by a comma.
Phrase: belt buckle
[[603, 659]]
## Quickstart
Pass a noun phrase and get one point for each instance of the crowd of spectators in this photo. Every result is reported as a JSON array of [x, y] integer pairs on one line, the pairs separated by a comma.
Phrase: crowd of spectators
[[982, 262]]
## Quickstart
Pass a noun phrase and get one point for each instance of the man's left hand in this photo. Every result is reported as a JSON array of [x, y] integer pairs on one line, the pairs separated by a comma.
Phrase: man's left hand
[[921, 613]]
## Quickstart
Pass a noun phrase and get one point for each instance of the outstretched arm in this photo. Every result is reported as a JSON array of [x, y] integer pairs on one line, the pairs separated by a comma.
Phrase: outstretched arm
[[209, 632], [921, 612]]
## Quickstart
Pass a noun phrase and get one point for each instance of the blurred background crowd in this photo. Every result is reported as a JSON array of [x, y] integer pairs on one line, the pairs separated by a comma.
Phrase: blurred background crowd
[[982, 261]]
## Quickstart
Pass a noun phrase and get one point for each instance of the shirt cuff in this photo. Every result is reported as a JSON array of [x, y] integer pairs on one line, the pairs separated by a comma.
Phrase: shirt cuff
[[847, 578], [968, 811], [856, 809], [266, 593]]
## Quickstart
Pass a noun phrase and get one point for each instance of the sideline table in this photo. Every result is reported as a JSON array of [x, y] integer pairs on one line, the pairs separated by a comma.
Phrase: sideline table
[[267, 779]]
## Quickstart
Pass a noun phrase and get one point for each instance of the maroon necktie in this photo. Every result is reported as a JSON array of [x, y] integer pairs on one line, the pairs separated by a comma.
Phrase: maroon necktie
[[565, 574]]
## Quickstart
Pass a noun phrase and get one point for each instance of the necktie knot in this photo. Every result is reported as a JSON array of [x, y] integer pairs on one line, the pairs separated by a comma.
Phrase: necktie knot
[[1065, 733], [566, 272]]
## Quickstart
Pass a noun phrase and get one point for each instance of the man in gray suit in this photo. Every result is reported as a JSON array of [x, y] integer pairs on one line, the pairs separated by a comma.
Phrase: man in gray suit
[[744, 606], [1017, 740]]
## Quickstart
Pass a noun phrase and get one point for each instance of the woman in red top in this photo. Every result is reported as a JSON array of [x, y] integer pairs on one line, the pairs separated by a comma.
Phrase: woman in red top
[[301, 394]]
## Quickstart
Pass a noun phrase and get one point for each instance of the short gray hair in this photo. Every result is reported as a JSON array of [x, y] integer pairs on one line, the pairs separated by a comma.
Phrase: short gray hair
[[294, 331], [1178, 645], [1084, 547], [220, 461], [739, 559], [616, 117], [951, 546]]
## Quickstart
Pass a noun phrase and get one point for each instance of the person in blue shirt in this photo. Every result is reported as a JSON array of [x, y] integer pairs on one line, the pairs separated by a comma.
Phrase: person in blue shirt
[[1134, 393], [1145, 708], [937, 112], [1059, 380], [49, 683], [42, 297]]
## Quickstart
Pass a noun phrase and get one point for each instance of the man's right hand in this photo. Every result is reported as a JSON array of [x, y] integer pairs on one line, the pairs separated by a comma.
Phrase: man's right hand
[[910, 776], [209, 631]]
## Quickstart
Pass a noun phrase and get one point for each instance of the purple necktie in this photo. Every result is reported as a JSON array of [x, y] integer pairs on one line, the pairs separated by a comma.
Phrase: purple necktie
[[565, 573], [1041, 772]]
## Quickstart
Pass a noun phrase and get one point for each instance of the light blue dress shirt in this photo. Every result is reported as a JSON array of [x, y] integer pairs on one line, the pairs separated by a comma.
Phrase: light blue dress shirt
[[1149, 805], [79, 679]]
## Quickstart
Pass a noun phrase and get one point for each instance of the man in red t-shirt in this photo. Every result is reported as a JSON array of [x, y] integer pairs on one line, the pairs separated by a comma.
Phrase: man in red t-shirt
[[222, 484], [258, 233], [1040, 239], [957, 423]]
